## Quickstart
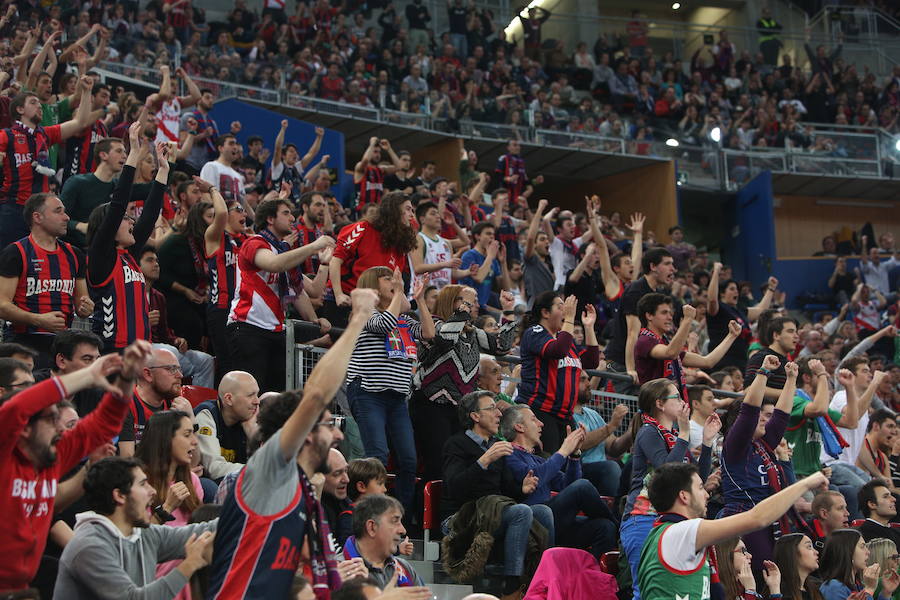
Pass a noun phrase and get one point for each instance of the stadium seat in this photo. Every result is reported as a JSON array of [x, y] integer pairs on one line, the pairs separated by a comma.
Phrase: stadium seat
[[197, 394], [431, 516], [609, 562]]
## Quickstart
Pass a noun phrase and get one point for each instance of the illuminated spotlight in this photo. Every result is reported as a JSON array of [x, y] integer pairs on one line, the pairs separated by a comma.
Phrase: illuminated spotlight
[[897, 144], [716, 134], [676, 5], [672, 143]]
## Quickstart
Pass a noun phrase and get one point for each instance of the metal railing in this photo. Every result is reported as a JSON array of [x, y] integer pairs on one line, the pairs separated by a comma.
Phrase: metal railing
[[302, 359]]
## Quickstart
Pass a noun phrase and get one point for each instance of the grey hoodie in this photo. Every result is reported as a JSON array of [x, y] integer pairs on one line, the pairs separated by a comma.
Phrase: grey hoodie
[[99, 562]]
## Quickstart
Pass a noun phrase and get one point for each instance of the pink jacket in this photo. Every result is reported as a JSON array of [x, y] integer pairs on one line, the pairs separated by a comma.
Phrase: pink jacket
[[570, 574]]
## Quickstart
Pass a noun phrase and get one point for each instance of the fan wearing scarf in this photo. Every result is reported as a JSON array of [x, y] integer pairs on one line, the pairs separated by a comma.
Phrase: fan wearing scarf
[[657, 441], [751, 469], [677, 560], [377, 530], [271, 521], [267, 279]]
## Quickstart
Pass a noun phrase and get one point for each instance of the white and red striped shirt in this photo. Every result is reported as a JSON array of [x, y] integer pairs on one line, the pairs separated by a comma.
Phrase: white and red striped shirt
[[256, 301], [168, 121]]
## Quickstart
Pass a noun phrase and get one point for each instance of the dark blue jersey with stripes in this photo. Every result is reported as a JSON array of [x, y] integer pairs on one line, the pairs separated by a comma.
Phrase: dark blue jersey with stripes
[[21, 147], [221, 265], [121, 304], [549, 375], [80, 150], [46, 279]]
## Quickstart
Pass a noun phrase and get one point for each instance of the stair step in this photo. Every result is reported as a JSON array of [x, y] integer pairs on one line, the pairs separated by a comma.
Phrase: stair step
[[446, 591]]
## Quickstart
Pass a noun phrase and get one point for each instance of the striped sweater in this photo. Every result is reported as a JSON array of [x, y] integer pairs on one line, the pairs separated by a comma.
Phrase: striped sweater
[[370, 361]]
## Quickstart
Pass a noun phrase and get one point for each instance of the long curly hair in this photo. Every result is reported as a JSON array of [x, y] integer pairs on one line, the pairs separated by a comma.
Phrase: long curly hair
[[395, 234]]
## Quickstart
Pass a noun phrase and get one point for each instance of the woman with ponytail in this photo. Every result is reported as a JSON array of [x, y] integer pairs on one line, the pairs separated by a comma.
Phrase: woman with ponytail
[[658, 441]]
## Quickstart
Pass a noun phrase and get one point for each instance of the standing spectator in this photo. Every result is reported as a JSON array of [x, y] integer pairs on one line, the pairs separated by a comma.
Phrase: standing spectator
[[458, 15], [169, 106], [551, 365], [873, 458], [843, 569], [564, 249], [207, 132], [538, 268], [449, 367], [36, 453], [117, 285], [820, 62], [511, 171], [417, 17], [842, 283], [769, 44], [876, 272], [722, 308], [489, 256], [432, 261], [222, 173], [682, 252], [80, 153], [368, 174], [782, 332], [266, 280], [272, 493], [385, 240], [42, 279], [31, 142], [81, 194], [637, 30], [531, 27], [287, 164], [380, 373]]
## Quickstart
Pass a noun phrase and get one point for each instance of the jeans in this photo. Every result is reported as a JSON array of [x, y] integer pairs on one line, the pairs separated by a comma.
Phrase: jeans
[[605, 475], [846, 474], [383, 418], [197, 365], [460, 43], [12, 223], [634, 532], [596, 529]]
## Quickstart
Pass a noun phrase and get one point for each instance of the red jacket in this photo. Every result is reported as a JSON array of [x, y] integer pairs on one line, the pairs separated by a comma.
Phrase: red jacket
[[359, 247], [27, 495]]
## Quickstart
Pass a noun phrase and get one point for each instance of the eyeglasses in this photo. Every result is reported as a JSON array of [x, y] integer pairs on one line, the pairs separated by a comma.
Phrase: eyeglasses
[[488, 408], [740, 550], [335, 422], [172, 369]]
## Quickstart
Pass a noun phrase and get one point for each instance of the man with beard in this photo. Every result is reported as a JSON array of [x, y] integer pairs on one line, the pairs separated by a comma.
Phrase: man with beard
[[36, 451], [267, 278], [207, 132], [115, 549], [42, 278], [659, 272], [675, 559], [314, 222], [222, 172], [273, 495], [287, 164], [158, 388]]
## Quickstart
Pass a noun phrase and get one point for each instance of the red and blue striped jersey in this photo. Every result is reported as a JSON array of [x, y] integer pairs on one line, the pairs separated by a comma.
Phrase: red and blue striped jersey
[[80, 150], [370, 187], [256, 556], [121, 304], [46, 280], [512, 164], [305, 236], [549, 376], [21, 146], [222, 264]]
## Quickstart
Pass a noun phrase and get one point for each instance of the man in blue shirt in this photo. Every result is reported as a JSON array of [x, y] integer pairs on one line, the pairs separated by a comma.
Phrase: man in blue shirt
[[560, 473], [490, 255], [600, 440]]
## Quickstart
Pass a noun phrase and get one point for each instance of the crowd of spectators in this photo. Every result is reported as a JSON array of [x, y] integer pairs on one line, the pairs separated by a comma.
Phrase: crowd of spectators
[[170, 252]]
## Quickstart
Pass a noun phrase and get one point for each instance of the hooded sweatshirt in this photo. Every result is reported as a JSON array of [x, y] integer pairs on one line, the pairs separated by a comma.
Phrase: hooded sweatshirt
[[101, 563]]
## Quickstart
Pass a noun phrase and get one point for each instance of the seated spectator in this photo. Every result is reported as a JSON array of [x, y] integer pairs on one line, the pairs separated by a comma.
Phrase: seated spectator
[[474, 470], [883, 553], [736, 574], [843, 568], [878, 506], [227, 424], [377, 530], [559, 473], [796, 559], [829, 510], [879, 441], [334, 495], [115, 548]]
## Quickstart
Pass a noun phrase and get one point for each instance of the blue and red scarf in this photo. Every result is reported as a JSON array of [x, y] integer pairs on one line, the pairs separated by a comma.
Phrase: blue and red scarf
[[351, 551]]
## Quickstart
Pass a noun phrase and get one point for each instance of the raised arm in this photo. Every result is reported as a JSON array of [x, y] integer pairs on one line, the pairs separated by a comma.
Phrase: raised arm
[[712, 291], [83, 115], [267, 260], [786, 398], [754, 311], [713, 531], [712, 359], [637, 244], [360, 168], [193, 89], [279, 144], [822, 397], [165, 88], [753, 395], [673, 349], [533, 227], [326, 377], [213, 235], [395, 160], [314, 149]]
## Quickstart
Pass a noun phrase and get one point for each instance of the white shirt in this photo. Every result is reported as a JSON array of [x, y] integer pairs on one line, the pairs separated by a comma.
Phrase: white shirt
[[877, 275], [229, 182], [678, 543], [563, 261], [854, 437]]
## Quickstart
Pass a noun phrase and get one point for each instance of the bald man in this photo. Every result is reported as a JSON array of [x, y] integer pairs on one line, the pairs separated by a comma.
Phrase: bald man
[[227, 423]]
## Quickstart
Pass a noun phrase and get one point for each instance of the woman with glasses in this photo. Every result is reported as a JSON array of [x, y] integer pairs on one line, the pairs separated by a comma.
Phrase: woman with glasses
[[733, 561], [167, 449], [117, 286], [753, 466], [221, 242], [797, 559], [551, 364], [657, 441], [380, 374], [883, 552], [845, 571], [449, 367]]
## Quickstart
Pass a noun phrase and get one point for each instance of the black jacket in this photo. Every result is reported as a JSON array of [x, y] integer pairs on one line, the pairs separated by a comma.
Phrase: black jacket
[[465, 480]]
